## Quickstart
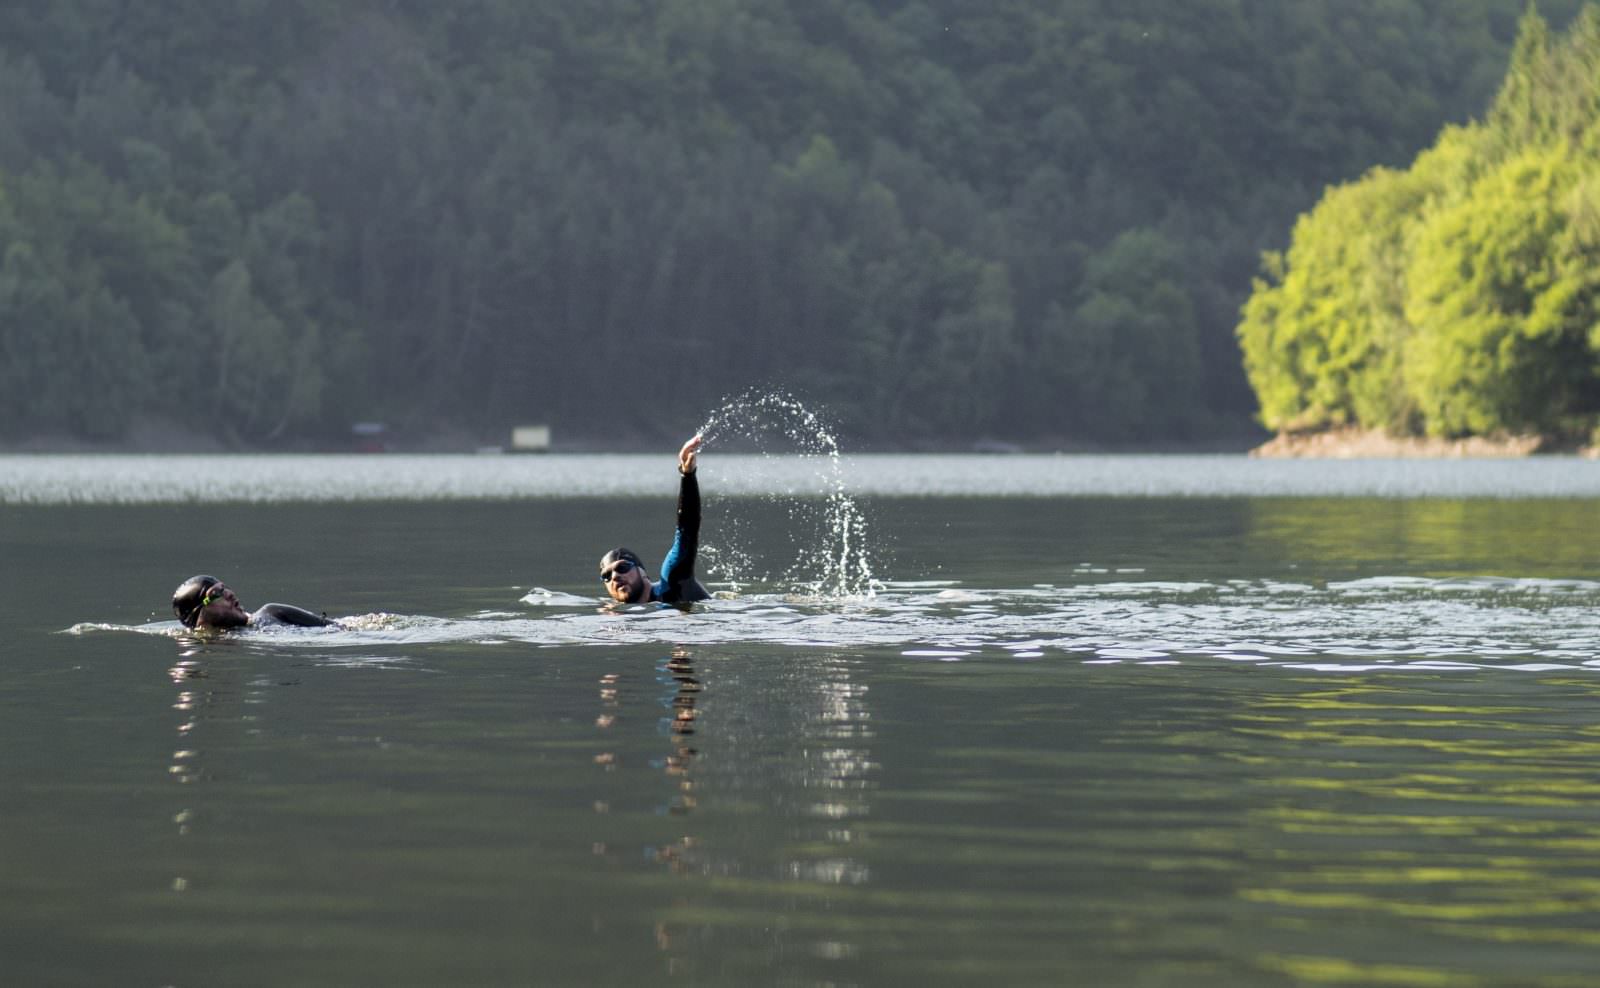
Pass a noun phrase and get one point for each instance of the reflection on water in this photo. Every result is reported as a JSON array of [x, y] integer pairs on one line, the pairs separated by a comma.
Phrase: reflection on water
[[1469, 814], [1437, 535], [749, 814], [205, 707], [1209, 742], [187, 675], [764, 780], [680, 727]]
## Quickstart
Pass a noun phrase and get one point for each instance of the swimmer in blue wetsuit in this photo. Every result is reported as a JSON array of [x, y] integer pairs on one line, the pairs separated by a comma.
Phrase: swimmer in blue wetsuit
[[206, 602], [621, 571]]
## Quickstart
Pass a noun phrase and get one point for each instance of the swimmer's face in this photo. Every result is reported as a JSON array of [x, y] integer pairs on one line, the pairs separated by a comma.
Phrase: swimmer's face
[[624, 581], [219, 608]]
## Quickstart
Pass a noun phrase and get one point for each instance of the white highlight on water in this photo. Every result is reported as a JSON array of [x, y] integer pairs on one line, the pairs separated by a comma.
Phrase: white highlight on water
[[1392, 624], [277, 478]]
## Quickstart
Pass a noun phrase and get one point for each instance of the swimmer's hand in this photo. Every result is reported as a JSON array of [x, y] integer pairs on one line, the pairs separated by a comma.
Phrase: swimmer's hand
[[688, 454]]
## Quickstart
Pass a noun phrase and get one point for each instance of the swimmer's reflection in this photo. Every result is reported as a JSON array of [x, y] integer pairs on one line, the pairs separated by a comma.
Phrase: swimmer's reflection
[[677, 766], [195, 702], [680, 728], [188, 674], [815, 786], [679, 856]]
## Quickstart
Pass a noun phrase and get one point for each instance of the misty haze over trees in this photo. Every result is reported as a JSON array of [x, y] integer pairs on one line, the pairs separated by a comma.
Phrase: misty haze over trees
[[1036, 219]]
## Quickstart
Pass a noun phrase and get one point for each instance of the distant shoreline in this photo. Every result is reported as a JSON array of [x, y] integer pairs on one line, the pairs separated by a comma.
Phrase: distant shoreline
[[620, 446], [1331, 444], [157, 438], [1353, 444]]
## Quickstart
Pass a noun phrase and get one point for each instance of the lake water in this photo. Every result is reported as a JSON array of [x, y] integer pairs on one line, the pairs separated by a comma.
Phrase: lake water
[[952, 721]]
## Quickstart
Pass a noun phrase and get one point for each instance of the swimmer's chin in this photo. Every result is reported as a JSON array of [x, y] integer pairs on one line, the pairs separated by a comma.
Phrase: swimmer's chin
[[641, 598]]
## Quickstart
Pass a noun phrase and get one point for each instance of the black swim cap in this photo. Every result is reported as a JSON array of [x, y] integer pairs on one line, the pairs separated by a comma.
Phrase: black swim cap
[[620, 553], [186, 600]]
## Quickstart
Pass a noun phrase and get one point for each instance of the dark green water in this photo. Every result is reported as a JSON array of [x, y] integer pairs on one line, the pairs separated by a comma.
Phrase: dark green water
[[1119, 741]]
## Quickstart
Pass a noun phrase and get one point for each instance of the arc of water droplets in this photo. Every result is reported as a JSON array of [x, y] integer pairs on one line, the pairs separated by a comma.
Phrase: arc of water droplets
[[844, 566]]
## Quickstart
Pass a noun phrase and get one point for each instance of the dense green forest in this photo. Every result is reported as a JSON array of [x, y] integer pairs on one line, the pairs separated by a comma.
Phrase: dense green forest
[[262, 220], [1461, 295]]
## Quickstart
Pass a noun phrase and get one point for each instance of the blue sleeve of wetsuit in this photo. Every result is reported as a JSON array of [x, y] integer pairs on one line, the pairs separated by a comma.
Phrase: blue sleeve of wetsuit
[[677, 570]]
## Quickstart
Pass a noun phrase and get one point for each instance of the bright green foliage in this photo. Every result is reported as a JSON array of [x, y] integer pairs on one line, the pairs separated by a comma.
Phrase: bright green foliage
[[1322, 340], [1503, 307], [1457, 297]]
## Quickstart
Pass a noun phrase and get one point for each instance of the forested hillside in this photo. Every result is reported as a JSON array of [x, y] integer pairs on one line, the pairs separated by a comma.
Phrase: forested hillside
[[266, 219], [1459, 296]]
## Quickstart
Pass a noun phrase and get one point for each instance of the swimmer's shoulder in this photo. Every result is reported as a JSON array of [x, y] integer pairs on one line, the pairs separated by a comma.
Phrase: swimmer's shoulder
[[299, 617]]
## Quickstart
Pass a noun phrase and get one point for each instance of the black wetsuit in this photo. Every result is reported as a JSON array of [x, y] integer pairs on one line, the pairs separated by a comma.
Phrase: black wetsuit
[[271, 614], [677, 584]]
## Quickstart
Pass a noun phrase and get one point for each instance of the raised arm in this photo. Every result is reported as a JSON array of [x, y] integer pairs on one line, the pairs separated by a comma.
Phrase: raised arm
[[679, 564], [678, 582]]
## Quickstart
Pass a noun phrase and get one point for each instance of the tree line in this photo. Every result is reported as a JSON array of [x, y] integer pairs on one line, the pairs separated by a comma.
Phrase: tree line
[[1459, 295], [267, 219]]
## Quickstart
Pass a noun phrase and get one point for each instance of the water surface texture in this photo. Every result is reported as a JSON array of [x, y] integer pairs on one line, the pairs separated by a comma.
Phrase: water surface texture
[[1195, 725], [134, 479]]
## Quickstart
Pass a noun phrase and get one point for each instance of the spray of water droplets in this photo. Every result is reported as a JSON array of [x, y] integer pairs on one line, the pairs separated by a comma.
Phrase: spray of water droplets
[[833, 558]]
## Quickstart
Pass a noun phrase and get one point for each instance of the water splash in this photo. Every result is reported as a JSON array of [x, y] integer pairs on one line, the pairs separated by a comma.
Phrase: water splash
[[833, 558]]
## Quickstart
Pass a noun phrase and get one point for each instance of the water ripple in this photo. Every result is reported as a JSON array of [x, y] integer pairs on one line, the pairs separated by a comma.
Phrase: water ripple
[[1523, 625]]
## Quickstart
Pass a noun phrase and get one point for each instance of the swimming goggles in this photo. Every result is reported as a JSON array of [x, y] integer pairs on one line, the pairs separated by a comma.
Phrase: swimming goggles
[[623, 566]]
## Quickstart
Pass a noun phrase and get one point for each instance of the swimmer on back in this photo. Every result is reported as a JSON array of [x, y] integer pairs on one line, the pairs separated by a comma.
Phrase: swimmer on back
[[622, 573], [206, 602]]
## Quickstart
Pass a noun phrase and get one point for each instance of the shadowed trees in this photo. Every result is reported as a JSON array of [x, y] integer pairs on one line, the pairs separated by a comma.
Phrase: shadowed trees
[[1028, 218]]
